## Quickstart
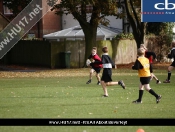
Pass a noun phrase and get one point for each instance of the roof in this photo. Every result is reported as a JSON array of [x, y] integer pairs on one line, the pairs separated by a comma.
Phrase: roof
[[103, 32]]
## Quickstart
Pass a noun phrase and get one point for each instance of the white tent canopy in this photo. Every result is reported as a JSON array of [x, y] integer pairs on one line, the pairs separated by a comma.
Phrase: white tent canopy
[[76, 32]]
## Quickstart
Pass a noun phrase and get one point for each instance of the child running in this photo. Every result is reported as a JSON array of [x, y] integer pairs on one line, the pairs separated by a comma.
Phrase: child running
[[143, 66], [151, 56], [95, 66], [106, 79], [171, 67]]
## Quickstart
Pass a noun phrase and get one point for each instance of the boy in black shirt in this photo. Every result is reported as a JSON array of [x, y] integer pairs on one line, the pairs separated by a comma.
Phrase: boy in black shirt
[[171, 67], [106, 79]]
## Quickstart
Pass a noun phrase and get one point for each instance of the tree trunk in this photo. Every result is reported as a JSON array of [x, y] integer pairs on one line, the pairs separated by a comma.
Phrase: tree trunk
[[90, 39], [139, 38], [138, 29], [89, 28]]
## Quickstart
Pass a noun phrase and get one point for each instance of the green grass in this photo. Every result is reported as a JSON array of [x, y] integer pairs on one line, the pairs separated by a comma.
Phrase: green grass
[[69, 97]]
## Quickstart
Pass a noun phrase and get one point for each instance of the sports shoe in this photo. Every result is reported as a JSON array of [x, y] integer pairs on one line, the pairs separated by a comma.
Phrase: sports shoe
[[158, 82], [121, 83], [105, 96], [137, 102], [166, 81], [98, 83], [88, 82], [158, 99]]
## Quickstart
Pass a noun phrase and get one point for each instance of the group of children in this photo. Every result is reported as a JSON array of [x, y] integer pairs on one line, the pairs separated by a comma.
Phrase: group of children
[[107, 64], [143, 64]]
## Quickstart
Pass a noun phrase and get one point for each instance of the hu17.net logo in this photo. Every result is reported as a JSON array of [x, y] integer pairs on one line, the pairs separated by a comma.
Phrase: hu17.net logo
[[158, 11]]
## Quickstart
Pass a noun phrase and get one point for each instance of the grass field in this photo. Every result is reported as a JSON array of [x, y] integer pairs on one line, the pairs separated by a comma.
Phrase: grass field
[[65, 94]]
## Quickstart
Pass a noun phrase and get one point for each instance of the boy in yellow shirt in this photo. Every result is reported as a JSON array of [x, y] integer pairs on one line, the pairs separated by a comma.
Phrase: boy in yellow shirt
[[143, 66]]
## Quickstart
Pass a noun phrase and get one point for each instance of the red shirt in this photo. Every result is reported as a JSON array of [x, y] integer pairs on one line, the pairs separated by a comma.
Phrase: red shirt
[[150, 56], [97, 63]]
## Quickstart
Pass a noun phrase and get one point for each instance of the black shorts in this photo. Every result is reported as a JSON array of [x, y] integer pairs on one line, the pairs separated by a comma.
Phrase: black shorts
[[145, 80], [97, 70], [173, 64], [106, 76]]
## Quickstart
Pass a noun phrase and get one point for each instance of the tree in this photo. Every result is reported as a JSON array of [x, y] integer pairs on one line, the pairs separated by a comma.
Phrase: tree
[[159, 28], [89, 14], [133, 13], [160, 34]]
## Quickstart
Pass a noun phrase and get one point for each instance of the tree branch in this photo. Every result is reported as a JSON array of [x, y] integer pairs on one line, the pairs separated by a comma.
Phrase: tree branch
[[83, 11], [135, 14], [131, 20]]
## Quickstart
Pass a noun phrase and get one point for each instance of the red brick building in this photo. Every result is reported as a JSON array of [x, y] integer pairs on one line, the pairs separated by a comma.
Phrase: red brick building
[[48, 24]]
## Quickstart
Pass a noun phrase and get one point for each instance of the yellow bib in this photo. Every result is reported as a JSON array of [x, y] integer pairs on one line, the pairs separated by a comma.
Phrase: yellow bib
[[145, 72]]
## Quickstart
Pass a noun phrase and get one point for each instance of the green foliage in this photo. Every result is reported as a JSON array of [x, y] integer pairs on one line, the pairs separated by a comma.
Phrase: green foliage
[[124, 36], [160, 28], [90, 11], [160, 34], [161, 43]]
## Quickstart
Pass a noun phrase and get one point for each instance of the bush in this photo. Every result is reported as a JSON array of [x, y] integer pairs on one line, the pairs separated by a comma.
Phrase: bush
[[124, 36], [160, 44]]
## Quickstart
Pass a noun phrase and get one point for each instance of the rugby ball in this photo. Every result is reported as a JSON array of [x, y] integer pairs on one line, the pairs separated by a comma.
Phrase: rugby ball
[[88, 62]]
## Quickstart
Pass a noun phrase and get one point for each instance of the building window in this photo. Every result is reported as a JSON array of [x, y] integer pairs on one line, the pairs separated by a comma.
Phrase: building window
[[7, 10]]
